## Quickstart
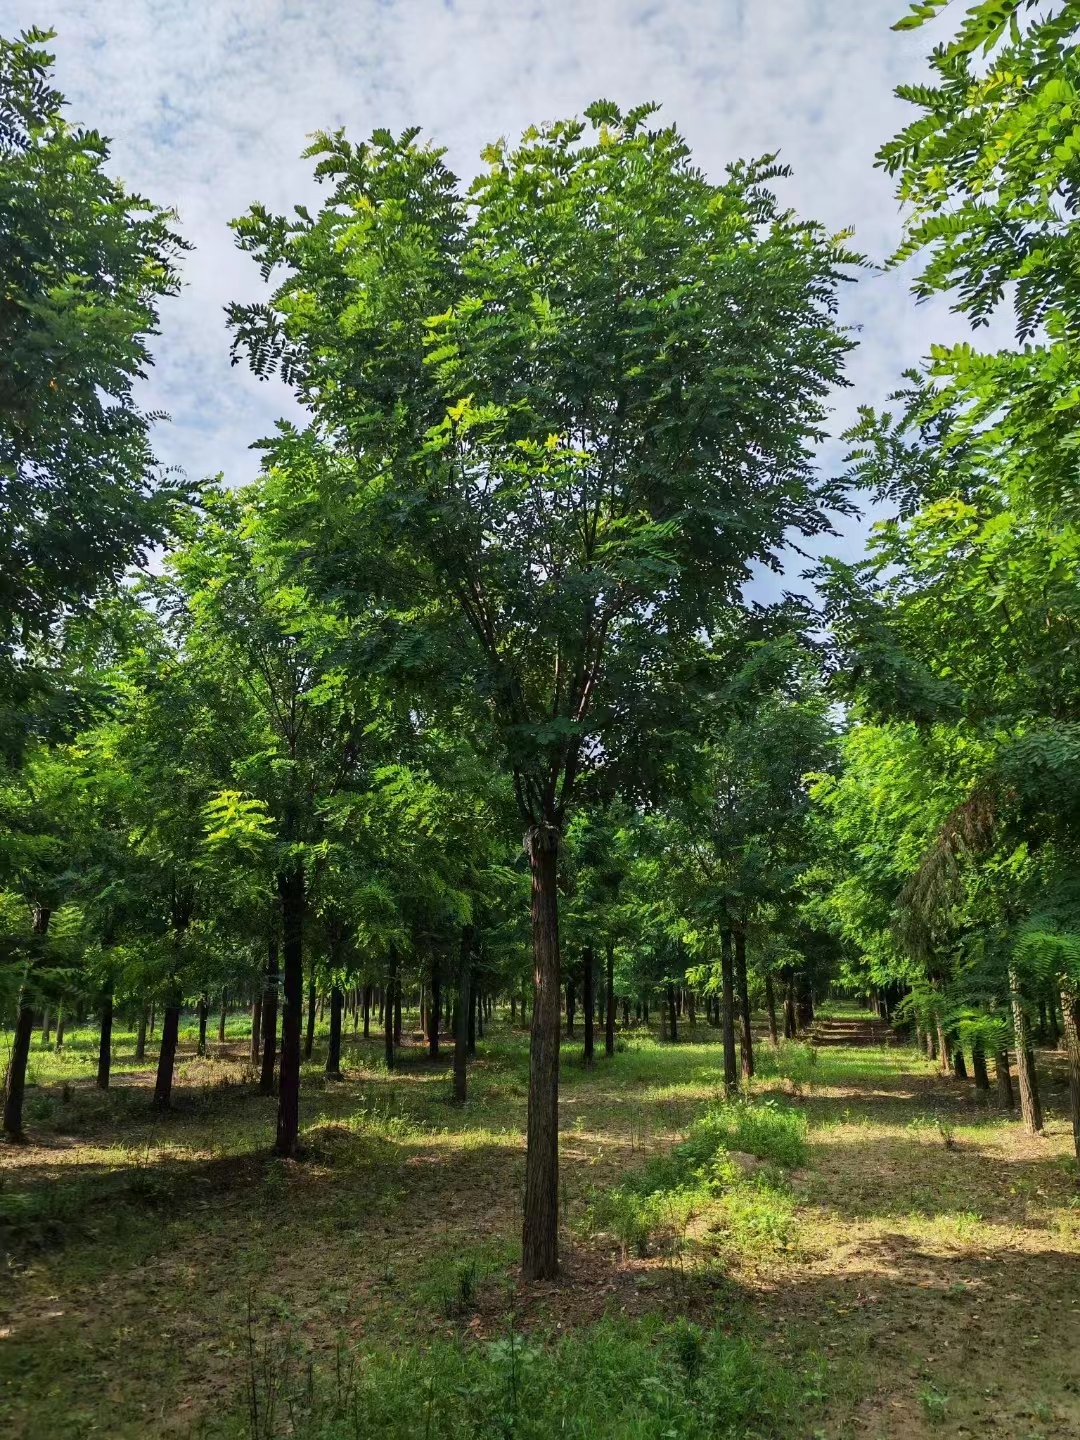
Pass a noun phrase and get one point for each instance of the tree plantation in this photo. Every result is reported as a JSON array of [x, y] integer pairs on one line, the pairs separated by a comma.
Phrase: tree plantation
[[469, 964]]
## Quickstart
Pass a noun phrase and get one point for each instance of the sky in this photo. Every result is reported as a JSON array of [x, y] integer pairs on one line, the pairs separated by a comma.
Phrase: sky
[[208, 103]]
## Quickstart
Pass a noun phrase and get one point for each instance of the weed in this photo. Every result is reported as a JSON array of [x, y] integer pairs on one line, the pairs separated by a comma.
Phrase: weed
[[935, 1405]]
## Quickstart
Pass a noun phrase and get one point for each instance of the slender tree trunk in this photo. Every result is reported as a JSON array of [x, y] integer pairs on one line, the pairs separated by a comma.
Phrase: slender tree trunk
[[397, 1005], [473, 996], [673, 1025], [1055, 1029], [959, 1068], [727, 1013], [270, 1019], [15, 1080], [367, 1012], [1030, 1107], [46, 1027], [464, 1010], [223, 1017], [942, 1048], [791, 1027], [746, 1039], [540, 1226], [61, 1022], [434, 1009], [256, 1026], [153, 1016], [978, 1065], [625, 1013], [104, 1064], [170, 1033], [140, 1039], [389, 1037], [770, 1005], [333, 1052], [609, 1001], [587, 994], [291, 890], [309, 1037], [202, 1011], [1070, 1018], [1004, 1080]]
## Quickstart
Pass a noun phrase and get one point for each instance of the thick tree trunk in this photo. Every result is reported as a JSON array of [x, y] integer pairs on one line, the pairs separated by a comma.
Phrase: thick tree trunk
[[672, 1015], [104, 1064], [170, 1032], [1070, 1017], [202, 1011], [746, 1039], [333, 1051], [540, 1226], [464, 1010], [1004, 1080], [291, 890], [727, 1013], [587, 994], [1030, 1107], [978, 1065], [434, 1009], [309, 1037], [270, 1019], [609, 1001], [256, 1027], [770, 1005]]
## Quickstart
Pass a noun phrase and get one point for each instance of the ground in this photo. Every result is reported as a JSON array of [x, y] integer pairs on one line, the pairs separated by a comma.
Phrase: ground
[[914, 1273]]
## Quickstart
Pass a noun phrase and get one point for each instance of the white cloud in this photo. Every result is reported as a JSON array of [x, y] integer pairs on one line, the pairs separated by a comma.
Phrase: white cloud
[[208, 103]]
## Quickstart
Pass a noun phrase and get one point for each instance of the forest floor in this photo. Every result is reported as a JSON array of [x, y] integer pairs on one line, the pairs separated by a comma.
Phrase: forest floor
[[916, 1273]]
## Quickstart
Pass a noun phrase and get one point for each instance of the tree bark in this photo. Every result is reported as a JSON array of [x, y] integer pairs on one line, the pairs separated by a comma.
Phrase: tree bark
[[746, 1039], [170, 1032], [202, 1012], [270, 1019], [727, 1013], [464, 1009], [333, 1051], [397, 1004], [15, 1079], [1070, 1019], [291, 890], [978, 1064], [1004, 1080], [367, 1012], [104, 1064], [587, 994], [942, 1048], [959, 1068], [309, 1037], [256, 1027], [61, 1021], [46, 1027], [609, 1001], [770, 1005], [223, 1017], [672, 1014], [1030, 1108], [540, 1224], [434, 1009], [791, 1027]]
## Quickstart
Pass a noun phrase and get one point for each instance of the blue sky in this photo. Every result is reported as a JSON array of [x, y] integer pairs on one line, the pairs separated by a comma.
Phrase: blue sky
[[208, 103]]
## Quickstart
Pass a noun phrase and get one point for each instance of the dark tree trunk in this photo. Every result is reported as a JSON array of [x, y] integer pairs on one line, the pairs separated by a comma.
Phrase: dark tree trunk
[[389, 1036], [153, 1013], [170, 1032], [367, 1012], [256, 1027], [270, 1019], [1030, 1107], [104, 1064], [943, 1048], [333, 1051], [46, 1027], [223, 1017], [1070, 1017], [587, 994], [540, 1226], [140, 1039], [434, 1009], [464, 1010], [202, 1009], [1055, 1029], [978, 1065], [673, 1025], [727, 1012], [770, 1005], [397, 1005], [959, 1068], [746, 1040], [625, 1013], [931, 1045], [1004, 1080], [791, 1028], [691, 1009], [291, 890], [15, 1080], [645, 1011], [804, 1004], [609, 1001], [309, 1036]]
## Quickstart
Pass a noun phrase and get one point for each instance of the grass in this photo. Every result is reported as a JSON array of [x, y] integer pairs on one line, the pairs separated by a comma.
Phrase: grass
[[850, 1247]]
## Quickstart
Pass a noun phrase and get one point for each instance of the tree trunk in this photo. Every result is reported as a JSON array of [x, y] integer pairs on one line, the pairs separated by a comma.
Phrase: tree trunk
[[256, 1026], [397, 1004], [672, 1015], [473, 996], [959, 1068], [978, 1065], [434, 1009], [1055, 1029], [464, 1010], [609, 1001], [333, 1051], [1004, 1081], [15, 1079], [291, 890], [791, 1027], [140, 1039], [153, 1014], [746, 1040], [270, 1019], [587, 994], [223, 1017], [1030, 1107], [46, 1027], [170, 1033], [202, 1012], [770, 1005], [61, 1021], [104, 1064], [540, 1225], [727, 1013], [367, 1012], [942, 1048], [1070, 1018], [389, 1037], [309, 1036]]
